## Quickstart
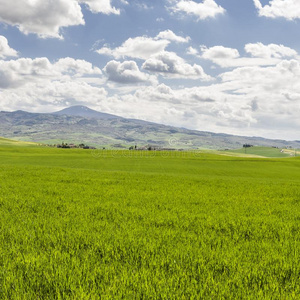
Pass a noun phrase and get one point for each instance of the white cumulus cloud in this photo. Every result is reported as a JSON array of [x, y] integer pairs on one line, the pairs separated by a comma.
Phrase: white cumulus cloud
[[288, 9], [27, 83], [5, 49], [260, 55], [192, 51], [43, 17], [126, 72], [206, 9], [219, 52], [16, 73], [171, 36], [76, 67], [141, 47], [46, 18], [101, 6], [269, 51], [170, 64], [40, 97]]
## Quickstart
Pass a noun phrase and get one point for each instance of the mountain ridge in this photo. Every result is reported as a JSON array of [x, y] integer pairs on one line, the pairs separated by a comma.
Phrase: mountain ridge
[[84, 111], [81, 124]]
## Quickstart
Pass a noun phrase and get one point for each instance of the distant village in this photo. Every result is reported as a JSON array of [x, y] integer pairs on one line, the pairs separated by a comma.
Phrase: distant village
[[66, 145], [148, 147], [138, 148], [153, 148]]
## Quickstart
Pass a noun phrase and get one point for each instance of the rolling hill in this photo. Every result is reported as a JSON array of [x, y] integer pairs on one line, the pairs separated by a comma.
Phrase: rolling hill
[[83, 111], [262, 152], [9, 142], [80, 124]]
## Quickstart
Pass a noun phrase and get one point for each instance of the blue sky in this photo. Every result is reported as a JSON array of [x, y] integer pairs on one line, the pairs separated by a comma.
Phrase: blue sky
[[215, 65]]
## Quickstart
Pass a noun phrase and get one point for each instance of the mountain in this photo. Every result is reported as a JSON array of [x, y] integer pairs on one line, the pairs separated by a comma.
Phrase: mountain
[[86, 112], [80, 124]]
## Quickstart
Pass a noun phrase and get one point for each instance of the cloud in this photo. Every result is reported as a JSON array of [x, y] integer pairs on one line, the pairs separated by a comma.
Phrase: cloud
[[271, 87], [171, 36], [248, 100], [223, 56], [141, 47], [141, 5], [76, 67], [288, 9], [5, 50], [126, 72], [16, 73], [270, 80], [40, 97], [192, 51], [272, 94], [169, 64], [269, 51], [261, 55], [219, 52], [27, 83], [46, 18], [206, 9], [199, 108], [101, 6], [42, 17]]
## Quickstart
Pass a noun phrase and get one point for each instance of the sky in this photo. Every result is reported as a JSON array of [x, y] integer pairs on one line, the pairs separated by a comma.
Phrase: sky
[[226, 66]]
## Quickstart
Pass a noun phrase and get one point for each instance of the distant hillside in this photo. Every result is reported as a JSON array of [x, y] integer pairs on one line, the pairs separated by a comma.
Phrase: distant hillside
[[4, 141], [86, 112], [80, 124]]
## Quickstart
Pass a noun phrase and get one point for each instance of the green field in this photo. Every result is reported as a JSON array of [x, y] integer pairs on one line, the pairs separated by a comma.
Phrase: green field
[[8, 142], [91, 224], [261, 151]]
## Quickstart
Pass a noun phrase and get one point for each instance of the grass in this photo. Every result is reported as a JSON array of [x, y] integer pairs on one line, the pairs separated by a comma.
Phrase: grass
[[261, 151], [292, 152], [9, 142], [81, 224]]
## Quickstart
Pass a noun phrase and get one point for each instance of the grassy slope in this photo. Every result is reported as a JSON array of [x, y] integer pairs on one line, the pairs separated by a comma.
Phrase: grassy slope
[[8, 142], [78, 224], [261, 151], [292, 152]]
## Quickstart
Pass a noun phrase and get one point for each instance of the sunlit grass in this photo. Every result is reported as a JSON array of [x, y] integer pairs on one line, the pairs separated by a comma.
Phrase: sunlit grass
[[81, 224]]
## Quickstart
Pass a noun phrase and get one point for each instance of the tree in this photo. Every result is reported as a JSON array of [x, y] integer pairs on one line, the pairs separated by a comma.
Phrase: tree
[[247, 146]]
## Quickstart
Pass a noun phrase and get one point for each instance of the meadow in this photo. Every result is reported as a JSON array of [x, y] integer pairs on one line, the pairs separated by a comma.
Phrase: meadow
[[92, 224], [265, 152]]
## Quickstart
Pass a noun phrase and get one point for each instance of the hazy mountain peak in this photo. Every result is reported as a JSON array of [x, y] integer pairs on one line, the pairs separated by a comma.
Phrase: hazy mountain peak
[[95, 128], [86, 112]]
